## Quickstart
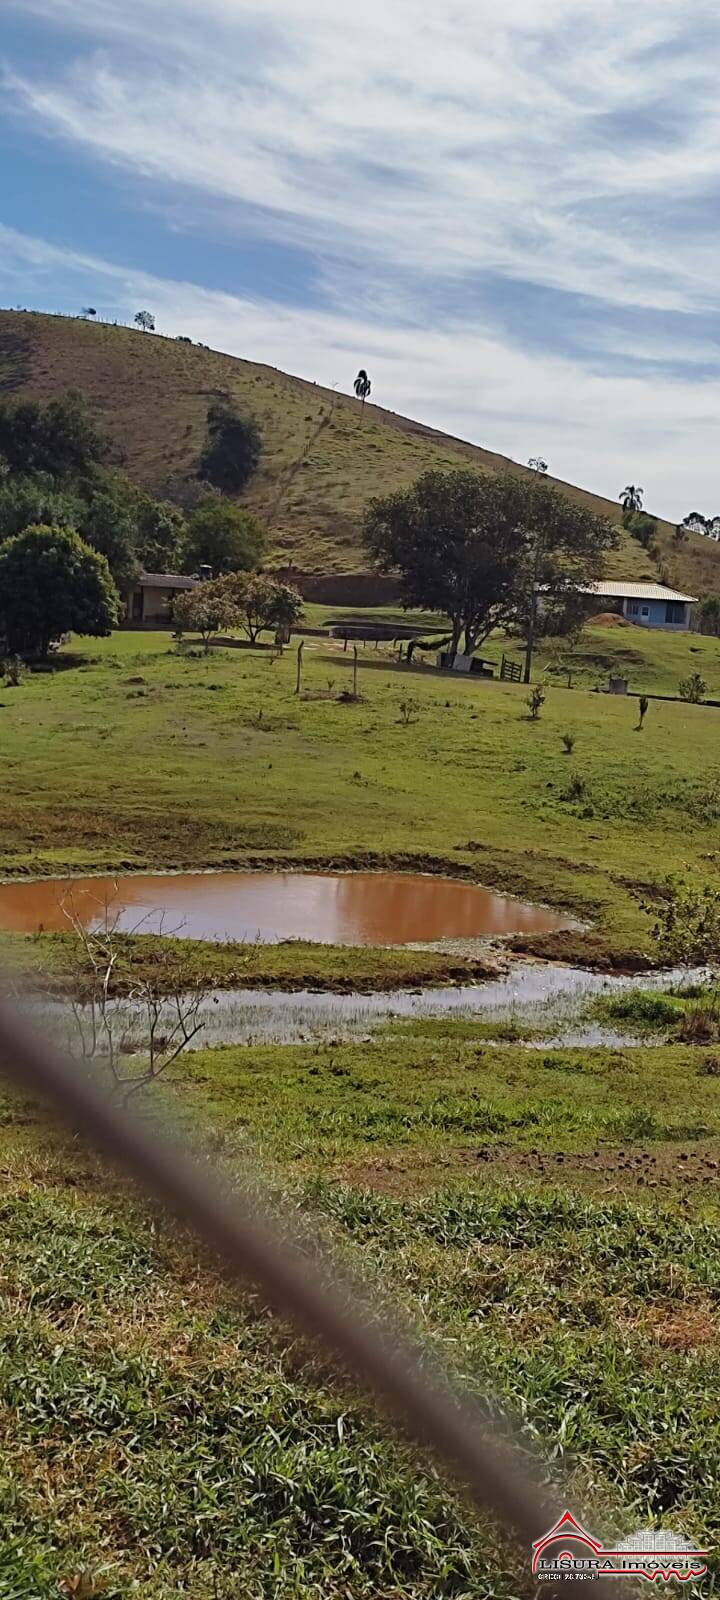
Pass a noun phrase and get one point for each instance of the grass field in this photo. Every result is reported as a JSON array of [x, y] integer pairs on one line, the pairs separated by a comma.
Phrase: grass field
[[546, 1218], [548, 1223], [322, 457], [134, 755]]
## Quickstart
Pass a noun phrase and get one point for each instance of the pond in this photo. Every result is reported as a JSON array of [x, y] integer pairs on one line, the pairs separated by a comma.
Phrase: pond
[[358, 908]]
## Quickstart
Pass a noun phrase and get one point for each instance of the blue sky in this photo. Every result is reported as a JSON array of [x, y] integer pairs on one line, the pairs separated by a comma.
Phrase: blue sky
[[509, 217]]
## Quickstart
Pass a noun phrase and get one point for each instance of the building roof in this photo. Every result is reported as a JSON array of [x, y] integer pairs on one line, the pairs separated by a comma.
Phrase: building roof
[[622, 590], [165, 580]]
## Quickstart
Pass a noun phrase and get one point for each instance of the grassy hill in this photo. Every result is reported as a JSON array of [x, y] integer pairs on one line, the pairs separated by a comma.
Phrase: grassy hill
[[323, 457]]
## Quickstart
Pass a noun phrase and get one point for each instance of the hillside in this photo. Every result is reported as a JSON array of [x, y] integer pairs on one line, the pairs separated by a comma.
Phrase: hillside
[[323, 457]]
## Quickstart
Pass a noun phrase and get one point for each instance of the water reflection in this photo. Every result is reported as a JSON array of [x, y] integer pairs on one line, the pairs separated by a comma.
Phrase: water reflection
[[359, 908]]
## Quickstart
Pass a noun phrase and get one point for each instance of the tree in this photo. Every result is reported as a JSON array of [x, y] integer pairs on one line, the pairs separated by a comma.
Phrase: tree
[[263, 602], [25, 502], [59, 439], [631, 498], [480, 547], [89, 311], [108, 524], [709, 615], [537, 464], [222, 536], [52, 583], [145, 320], [233, 448], [362, 386], [161, 532], [207, 609], [695, 522]]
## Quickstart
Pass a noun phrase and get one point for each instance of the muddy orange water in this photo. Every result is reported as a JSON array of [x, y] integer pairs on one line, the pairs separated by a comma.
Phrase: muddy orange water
[[353, 908]]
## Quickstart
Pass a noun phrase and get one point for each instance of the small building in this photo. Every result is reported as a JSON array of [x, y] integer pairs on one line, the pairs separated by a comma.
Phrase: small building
[[650, 605], [448, 662], [148, 601]]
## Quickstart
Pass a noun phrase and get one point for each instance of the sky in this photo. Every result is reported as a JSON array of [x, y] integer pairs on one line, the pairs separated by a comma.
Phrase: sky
[[508, 215]]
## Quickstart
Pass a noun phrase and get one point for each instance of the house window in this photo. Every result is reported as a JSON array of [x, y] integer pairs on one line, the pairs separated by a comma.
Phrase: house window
[[646, 611], [634, 609], [675, 612]]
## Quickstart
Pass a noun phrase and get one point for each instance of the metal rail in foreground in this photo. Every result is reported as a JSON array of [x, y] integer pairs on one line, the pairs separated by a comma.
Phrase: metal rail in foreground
[[386, 1362]]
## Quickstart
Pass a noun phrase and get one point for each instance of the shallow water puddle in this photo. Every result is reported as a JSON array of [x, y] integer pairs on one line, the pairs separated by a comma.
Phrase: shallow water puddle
[[355, 908], [531, 995]]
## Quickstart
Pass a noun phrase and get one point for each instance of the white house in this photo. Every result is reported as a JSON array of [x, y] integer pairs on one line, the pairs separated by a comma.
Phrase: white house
[[148, 600], [651, 605]]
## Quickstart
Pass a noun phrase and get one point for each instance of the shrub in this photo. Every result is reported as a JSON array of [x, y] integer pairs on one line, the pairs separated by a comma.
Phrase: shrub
[[700, 1024], [643, 707], [569, 741], [535, 702], [576, 789], [409, 711], [687, 923], [693, 689], [233, 448], [14, 670]]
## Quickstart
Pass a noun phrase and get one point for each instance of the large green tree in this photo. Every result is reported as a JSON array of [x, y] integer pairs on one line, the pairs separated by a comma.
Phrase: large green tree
[[481, 547], [223, 537], [108, 523], [52, 583], [27, 501], [60, 439]]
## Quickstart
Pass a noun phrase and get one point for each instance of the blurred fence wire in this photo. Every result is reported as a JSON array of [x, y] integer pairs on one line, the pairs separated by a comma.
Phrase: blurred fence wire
[[491, 1469]]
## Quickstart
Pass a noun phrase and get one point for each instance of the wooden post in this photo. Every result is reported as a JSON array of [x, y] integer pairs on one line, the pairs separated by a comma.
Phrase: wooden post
[[301, 647], [355, 667]]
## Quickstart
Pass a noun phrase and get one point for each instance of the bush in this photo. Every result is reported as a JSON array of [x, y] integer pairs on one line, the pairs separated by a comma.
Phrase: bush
[[642, 527], [535, 702], [693, 689], [569, 741], [687, 923], [576, 789], [14, 670], [233, 448]]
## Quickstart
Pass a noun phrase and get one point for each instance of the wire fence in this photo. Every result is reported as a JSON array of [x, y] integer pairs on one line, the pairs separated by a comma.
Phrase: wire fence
[[489, 1466]]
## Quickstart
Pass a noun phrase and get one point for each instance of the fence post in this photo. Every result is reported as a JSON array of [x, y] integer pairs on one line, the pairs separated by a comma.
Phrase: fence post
[[301, 647], [355, 667]]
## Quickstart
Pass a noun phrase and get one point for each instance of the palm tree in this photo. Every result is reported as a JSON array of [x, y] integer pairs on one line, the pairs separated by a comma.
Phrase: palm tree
[[362, 385], [631, 498]]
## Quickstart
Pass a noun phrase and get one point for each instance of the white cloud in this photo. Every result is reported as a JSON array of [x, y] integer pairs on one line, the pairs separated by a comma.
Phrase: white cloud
[[596, 431], [440, 140]]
